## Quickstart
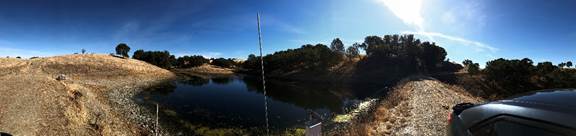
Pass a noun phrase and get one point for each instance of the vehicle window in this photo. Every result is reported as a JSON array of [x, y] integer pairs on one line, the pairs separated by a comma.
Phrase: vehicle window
[[509, 128]]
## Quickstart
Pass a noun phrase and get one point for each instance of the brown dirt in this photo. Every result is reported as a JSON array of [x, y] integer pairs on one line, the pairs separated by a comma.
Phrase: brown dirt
[[32, 102], [416, 106]]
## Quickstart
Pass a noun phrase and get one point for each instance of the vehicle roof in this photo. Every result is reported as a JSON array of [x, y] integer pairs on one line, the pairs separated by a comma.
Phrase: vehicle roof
[[555, 97], [555, 106]]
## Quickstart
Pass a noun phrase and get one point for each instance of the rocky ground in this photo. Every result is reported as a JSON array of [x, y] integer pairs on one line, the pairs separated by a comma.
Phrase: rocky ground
[[416, 106], [95, 98]]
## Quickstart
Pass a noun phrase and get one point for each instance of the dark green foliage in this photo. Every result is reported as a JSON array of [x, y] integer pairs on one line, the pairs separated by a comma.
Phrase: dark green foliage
[[397, 56], [569, 64], [512, 75], [308, 58], [252, 63], [122, 49], [353, 51], [517, 76], [191, 61], [471, 67], [387, 59], [83, 51], [222, 62], [161, 59], [337, 46]]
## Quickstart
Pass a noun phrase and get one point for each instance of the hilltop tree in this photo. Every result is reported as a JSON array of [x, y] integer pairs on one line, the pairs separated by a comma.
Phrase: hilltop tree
[[138, 54], [337, 46], [569, 64], [562, 65], [432, 54], [352, 51], [467, 62], [472, 67], [370, 42], [83, 51], [122, 49]]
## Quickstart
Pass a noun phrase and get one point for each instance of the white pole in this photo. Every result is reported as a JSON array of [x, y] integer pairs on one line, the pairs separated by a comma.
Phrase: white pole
[[157, 127], [262, 68]]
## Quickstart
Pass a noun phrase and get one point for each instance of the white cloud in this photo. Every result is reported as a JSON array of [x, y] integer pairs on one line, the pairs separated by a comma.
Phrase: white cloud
[[479, 46], [281, 25], [409, 11], [466, 17], [14, 52]]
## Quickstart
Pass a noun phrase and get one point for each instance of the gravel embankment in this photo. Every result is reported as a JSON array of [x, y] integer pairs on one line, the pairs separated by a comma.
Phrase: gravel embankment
[[420, 107], [416, 106]]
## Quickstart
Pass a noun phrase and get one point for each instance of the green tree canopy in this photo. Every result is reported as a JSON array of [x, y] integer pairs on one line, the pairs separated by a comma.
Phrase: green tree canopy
[[353, 51], [161, 59], [122, 49], [337, 45]]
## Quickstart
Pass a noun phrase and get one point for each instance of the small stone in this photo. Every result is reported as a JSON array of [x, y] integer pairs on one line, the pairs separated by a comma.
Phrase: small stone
[[61, 77]]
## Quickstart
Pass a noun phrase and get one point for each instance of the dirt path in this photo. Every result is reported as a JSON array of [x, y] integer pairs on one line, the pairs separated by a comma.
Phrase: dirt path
[[32, 102], [416, 106], [419, 107]]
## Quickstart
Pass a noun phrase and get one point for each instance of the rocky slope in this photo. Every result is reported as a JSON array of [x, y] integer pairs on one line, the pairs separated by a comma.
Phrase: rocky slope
[[95, 98]]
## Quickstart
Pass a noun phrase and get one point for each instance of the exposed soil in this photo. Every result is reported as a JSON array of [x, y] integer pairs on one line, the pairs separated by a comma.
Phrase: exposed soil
[[95, 98]]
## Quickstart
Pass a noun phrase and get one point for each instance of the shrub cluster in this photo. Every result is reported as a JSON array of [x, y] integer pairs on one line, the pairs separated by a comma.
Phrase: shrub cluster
[[517, 76]]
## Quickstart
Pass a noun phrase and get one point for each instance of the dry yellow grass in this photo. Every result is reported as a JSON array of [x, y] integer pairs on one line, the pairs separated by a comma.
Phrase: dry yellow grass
[[206, 71], [32, 102]]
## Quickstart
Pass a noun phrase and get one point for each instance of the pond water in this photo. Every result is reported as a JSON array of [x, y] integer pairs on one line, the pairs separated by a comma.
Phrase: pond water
[[238, 101]]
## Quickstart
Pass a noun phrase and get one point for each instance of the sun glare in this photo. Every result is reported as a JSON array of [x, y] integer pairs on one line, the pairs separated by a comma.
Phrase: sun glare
[[408, 11]]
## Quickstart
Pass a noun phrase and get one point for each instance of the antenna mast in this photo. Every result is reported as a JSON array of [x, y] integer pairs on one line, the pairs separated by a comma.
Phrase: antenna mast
[[263, 77]]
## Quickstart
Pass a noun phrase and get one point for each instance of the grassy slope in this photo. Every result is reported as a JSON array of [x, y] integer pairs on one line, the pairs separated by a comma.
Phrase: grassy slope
[[32, 102]]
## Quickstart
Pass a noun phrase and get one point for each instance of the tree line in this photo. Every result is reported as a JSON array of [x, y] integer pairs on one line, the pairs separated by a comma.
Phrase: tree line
[[386, 59], [390, 57], [515, 76], [165, 60]]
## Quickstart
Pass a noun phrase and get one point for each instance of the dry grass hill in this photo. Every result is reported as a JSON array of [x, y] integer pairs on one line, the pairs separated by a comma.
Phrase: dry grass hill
[[93, 100]]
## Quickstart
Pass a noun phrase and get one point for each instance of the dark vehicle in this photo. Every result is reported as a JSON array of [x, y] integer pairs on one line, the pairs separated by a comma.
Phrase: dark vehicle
[[541, 113]]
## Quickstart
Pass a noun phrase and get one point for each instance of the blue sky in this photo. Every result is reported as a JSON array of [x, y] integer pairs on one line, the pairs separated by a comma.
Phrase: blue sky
[[480, 30]]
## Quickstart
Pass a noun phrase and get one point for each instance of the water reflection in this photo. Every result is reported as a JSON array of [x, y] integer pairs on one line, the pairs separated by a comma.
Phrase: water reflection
[[222, 80], [237, 101], [194, 80], [302, 94]]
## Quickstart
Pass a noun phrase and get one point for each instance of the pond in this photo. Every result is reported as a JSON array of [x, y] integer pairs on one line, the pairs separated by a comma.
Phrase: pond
[[237, 102]]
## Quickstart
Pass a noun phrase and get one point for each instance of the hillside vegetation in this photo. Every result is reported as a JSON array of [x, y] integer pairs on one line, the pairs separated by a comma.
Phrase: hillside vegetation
[[387, 60], [93, 100]]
